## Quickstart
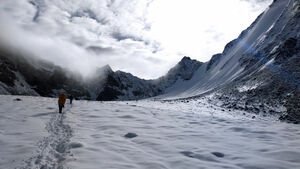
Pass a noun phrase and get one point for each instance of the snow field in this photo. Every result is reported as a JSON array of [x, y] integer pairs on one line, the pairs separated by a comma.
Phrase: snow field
[[187, 134]]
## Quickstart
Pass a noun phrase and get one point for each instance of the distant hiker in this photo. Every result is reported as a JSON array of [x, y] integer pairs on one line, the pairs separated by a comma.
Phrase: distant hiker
[[61, 101], [71, 98]]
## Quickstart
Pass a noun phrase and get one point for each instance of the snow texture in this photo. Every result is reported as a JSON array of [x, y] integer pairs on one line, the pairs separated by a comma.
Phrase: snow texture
[[177, 134]]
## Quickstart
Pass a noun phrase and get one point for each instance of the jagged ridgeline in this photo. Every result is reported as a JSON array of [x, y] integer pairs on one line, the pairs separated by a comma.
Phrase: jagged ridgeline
[[31, 76]]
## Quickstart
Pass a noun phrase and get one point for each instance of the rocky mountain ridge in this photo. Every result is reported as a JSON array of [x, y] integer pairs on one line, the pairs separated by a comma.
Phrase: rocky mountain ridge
[[20, 76]]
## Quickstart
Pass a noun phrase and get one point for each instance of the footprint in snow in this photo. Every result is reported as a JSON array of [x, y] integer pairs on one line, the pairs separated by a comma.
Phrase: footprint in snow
[[202, 157], [130, 135], [75, 145], [218, 154]]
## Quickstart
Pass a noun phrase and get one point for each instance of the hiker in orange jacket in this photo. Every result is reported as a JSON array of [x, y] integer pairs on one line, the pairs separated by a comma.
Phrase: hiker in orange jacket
[[61, 101]]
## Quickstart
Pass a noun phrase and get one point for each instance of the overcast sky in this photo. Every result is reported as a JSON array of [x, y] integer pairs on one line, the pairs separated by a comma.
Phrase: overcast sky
[[143, 37]]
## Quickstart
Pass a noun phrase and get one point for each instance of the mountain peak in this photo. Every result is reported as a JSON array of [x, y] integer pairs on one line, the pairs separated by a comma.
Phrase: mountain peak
[[186, 58], [106, 69], [184, 69], [185, 61]]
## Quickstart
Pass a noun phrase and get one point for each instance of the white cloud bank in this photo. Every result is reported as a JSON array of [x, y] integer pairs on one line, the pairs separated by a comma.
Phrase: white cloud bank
[[144, 37]]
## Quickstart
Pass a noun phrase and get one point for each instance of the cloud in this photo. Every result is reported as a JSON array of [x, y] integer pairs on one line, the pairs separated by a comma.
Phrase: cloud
[[82, 35], [257, 1], [198, 28], [258, 4]]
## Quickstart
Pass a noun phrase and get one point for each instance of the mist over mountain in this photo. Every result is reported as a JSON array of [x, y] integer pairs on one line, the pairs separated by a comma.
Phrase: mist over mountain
[[23, 76]]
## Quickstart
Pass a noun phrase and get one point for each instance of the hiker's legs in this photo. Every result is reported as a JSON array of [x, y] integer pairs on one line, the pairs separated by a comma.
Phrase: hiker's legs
[[60, 108]]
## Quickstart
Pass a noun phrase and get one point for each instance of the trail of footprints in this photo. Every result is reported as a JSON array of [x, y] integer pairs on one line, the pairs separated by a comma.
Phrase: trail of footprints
[[54, 149]]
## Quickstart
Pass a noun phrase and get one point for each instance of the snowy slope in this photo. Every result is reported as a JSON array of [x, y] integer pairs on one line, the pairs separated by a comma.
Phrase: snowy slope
[[226, 67], [259, 71], [271, 73], [169, 135]]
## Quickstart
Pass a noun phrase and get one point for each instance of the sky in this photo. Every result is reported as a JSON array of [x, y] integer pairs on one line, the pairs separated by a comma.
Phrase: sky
[[142, 37]]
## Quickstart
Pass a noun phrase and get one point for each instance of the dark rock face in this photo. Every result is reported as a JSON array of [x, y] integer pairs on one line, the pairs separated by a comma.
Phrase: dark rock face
[[108, 94], [36, 76], [45, 79], [293, 109], [44, 82], [184, 70], [7, 71], [287, 50], [213, 61], [124, 86]]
